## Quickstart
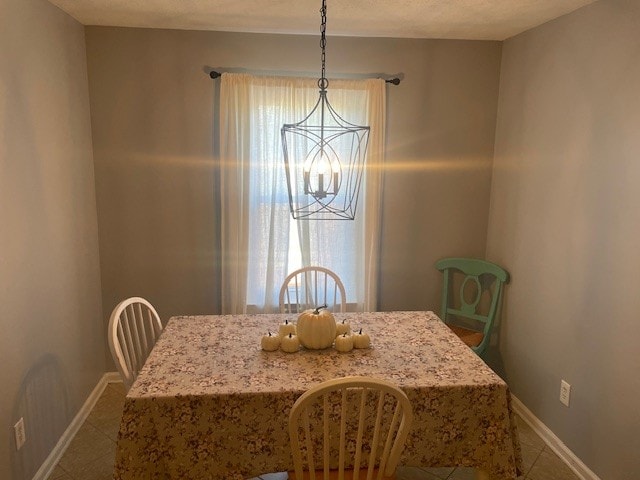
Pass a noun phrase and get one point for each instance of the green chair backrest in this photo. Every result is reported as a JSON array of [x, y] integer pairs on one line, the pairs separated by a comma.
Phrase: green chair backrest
[[485, 275]]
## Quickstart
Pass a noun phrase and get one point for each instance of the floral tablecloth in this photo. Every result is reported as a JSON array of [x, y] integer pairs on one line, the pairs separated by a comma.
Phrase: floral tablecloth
[[210, 404]]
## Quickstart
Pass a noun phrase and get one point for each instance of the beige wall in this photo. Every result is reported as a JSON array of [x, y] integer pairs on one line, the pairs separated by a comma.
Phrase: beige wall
[[152, 117], [565, 220], [51, 345]]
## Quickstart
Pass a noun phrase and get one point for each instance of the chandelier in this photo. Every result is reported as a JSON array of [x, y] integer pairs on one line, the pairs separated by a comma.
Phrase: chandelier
[[324, 156]]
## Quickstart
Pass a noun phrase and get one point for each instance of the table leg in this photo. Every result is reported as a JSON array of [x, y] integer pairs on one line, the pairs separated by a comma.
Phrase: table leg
[[481, 474]]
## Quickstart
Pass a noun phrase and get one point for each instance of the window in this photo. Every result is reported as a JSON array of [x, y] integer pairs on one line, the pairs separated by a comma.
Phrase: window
[[261, 241]]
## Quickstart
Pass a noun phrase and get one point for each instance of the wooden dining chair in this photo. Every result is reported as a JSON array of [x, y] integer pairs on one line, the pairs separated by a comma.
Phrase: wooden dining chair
[[468, 316], [348, 428], [134, 327], [310, 287]]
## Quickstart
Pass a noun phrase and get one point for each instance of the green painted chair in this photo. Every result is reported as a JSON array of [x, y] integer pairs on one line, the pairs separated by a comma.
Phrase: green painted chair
[[473, 320]]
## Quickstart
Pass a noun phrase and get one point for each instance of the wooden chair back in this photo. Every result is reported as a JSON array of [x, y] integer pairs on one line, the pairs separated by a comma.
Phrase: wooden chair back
[[134, 327], [486, 277], [349, 428], [310, 287]]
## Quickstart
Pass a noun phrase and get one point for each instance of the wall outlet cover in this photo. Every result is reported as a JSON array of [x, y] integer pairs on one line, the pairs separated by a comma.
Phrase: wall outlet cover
[[565, 392], [20, 434]]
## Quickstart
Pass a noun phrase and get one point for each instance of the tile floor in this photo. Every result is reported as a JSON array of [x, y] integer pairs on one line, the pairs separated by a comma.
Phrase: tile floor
[[90, 455]]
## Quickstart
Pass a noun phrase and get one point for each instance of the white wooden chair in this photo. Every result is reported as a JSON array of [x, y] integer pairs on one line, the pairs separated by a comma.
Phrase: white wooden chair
[[134, 327], [310, 287], [371, 419]]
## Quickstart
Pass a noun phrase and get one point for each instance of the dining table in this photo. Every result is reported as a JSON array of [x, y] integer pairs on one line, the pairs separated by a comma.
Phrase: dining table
[[209, 403]]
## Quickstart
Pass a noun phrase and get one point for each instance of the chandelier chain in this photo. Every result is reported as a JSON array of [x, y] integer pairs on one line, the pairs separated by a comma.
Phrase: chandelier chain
[[323, 43]]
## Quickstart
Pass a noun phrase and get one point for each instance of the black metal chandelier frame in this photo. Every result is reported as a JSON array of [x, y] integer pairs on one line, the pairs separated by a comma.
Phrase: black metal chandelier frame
[[317, 194]]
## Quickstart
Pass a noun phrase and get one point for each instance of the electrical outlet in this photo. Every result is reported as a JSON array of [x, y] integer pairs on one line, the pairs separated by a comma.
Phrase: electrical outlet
[[21, 436], [565, 392]]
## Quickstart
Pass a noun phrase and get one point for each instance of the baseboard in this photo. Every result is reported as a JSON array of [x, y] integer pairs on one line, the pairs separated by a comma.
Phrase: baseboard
[[56, 454], [552, 441], [111, 377]]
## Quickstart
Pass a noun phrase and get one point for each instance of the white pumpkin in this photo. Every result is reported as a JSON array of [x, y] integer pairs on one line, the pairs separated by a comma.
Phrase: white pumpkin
[[290, 343], [344, 342], [316, 328], [361, 340], [342, 328], [270, 343]]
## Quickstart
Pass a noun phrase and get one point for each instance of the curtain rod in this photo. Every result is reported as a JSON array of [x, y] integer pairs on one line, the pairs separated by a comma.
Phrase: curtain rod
[[395, 81]]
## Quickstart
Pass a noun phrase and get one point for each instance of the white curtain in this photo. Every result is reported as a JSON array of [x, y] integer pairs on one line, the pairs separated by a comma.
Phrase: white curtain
[[256, 222]]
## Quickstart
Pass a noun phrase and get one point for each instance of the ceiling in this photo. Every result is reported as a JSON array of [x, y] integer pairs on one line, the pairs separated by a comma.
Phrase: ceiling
[[459, 19]]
